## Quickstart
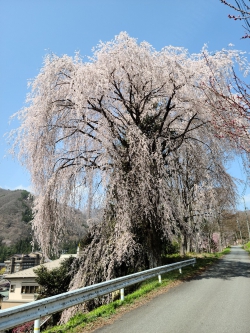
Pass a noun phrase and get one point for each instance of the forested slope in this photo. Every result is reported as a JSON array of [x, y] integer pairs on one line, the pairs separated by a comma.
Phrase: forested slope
[[15, 225], [15, 215]]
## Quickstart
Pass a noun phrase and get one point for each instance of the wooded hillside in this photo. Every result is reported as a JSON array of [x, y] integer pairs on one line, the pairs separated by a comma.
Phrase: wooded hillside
[[15, 215], [15, 225]]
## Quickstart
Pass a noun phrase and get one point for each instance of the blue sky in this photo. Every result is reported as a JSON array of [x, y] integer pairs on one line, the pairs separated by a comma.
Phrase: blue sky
[[32, 28]]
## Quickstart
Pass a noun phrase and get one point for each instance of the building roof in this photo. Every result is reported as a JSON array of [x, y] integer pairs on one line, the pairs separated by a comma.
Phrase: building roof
[[29, 272]]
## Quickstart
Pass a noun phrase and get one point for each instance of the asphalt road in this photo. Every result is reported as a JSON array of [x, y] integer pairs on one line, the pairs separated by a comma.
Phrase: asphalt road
[[214, 302]]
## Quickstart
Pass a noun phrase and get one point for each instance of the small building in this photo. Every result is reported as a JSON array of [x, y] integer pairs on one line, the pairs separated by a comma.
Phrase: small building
[[18, 262], [23, 285]]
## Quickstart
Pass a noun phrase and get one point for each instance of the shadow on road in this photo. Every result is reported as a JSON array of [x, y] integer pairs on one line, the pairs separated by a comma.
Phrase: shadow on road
[[226, 270], [235, 264]]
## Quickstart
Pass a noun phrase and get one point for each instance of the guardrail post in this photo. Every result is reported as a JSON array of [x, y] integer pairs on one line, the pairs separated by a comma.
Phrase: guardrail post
[[180, 270], [159, 278], [122, 294], [37, 326]]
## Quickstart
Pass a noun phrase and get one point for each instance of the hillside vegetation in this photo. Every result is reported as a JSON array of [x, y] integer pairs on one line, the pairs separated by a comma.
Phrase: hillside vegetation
[[15, 225], [15, 215]]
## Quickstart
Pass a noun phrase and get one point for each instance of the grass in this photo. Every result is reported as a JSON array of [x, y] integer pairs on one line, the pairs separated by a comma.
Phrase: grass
[[247, 247], [81, 320]]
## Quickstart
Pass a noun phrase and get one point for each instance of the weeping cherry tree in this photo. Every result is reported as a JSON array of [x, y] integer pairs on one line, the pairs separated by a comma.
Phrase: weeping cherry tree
[[136, 131]]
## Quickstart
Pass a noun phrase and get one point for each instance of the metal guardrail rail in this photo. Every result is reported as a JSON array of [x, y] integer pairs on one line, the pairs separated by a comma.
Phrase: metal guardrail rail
[[17, 315]]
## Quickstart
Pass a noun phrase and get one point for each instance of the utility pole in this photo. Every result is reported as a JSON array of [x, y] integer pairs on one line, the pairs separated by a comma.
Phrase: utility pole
[[240, 230], [247, 219], [219, 222]]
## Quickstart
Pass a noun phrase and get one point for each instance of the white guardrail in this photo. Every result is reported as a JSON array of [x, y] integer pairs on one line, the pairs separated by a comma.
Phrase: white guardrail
[[18, 315]]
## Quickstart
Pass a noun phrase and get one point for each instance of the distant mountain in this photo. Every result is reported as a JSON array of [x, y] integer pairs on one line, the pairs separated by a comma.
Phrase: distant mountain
[[15, 215]]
